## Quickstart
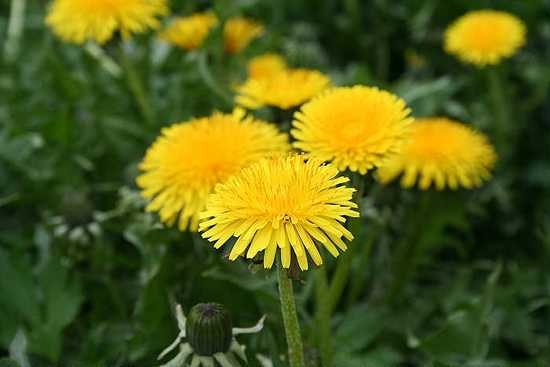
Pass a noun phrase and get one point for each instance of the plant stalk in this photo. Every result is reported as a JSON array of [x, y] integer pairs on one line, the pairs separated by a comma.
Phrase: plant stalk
[[15, 29], [290, 320], [210, 81], [500, 107], [135, 84], [104, 60], [408, 249], [343, 265], [357, 282], [322, 317]]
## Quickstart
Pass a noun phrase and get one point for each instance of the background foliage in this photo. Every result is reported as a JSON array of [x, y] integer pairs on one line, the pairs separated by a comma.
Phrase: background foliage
[[88, 279]]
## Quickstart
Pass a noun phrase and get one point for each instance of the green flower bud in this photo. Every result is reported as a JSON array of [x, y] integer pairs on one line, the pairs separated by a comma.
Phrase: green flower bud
[[209, 329]]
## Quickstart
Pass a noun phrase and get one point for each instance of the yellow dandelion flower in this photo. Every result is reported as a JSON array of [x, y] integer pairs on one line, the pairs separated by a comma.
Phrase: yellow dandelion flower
[[238, 32], [265, 65], [356, 128], [285, 89], [184, 164], [443, 152], [79, 21], [190, 32], [485, 37], [281, 202]]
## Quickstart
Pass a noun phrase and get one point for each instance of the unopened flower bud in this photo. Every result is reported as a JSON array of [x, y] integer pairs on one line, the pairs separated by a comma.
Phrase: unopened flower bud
[[209, 329]]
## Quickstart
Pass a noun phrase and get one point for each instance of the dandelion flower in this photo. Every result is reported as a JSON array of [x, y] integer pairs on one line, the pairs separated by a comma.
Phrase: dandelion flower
[[184, 164], [356, 128], [285, 89], [238, 32], [283, 202], [190, 32], [443, 152], [485, 37], [79, 21], [265, 65]]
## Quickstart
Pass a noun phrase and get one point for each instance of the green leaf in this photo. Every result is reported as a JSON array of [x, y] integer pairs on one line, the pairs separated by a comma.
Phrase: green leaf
[[18, 297], [359, 328], [6, 362], [61, 300], [245, 281], [465, 332]]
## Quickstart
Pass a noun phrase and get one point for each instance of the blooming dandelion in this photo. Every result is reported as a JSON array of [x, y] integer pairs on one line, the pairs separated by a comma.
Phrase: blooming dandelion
[[355, 128], [190, 32], [184, 164], [442, 152], [283, 203], [79, 21], [265, 65], [238, 32], [485, 37], [286, 89]]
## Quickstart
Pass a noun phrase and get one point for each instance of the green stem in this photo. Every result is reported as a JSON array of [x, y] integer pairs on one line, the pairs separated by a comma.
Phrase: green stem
[[328, 295], [290, 320], [104, 60], [322, 317], [135, 84], [210, 81], [343, 266], [15, 29], [407, 251], [339, 280], [357, 282], [500, 107]]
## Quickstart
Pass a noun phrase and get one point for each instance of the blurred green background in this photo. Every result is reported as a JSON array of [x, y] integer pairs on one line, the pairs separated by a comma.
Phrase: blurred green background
[[88, 279]]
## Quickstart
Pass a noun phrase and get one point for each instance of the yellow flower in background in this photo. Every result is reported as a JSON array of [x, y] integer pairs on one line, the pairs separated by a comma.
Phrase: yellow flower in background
[[442, 152], [238, 32], [485, 37], [265, 65], [186, 162], [356, 128], [190, 32], [79, 21], [281, 203], [285, 89]]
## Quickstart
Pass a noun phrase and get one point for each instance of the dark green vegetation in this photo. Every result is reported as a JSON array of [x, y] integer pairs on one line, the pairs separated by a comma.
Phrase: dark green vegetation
[[438, 278]]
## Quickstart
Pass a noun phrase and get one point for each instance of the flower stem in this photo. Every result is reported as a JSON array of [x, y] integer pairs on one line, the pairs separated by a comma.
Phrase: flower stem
[[290, 320], [15, 29], [500, 106], [104, 60], [210, 81], [343, 266], [135, 84], [322, 317], [407, 251], [357, 282]]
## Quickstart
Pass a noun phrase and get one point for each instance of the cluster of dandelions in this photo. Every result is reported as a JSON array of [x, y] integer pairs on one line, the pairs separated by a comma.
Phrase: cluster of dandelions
[[247, 185], [81, 21]]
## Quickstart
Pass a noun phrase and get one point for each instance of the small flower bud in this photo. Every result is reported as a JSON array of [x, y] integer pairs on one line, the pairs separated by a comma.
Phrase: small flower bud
[[209, 329]]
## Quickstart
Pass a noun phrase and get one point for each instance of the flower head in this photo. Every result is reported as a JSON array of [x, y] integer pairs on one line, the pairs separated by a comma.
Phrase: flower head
[[190, 32], [184, 164], [265, 65], [283, 202], [238, 32], [485, 37], [285, 89], [442, 152], [79, 21], [354, 127]]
